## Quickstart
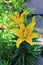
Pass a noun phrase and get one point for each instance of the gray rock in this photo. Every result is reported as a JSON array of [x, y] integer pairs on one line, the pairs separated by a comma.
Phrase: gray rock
[[40, 61], [36, 5]]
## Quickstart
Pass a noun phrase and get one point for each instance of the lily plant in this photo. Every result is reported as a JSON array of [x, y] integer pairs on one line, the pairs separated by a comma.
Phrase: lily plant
[[24, 33]]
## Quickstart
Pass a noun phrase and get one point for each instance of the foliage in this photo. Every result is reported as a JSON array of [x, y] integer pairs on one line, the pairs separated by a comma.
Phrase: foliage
[[4, 63]]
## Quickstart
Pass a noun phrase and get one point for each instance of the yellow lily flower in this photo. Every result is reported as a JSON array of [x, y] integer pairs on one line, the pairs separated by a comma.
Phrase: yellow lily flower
[[26, 34], [18, 19]]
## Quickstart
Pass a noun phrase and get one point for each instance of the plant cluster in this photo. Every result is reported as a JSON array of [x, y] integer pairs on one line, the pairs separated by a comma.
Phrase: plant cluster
[[18, 38]]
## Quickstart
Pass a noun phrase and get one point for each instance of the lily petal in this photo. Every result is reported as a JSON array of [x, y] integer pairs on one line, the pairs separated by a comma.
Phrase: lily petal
[[11, 23], [17, 20], [12, 17], [19, 41], [25, 13], [31, 26], [16, 14], [35, 35], [16, 31], [22, 26], [22, 15], [29, 41]]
